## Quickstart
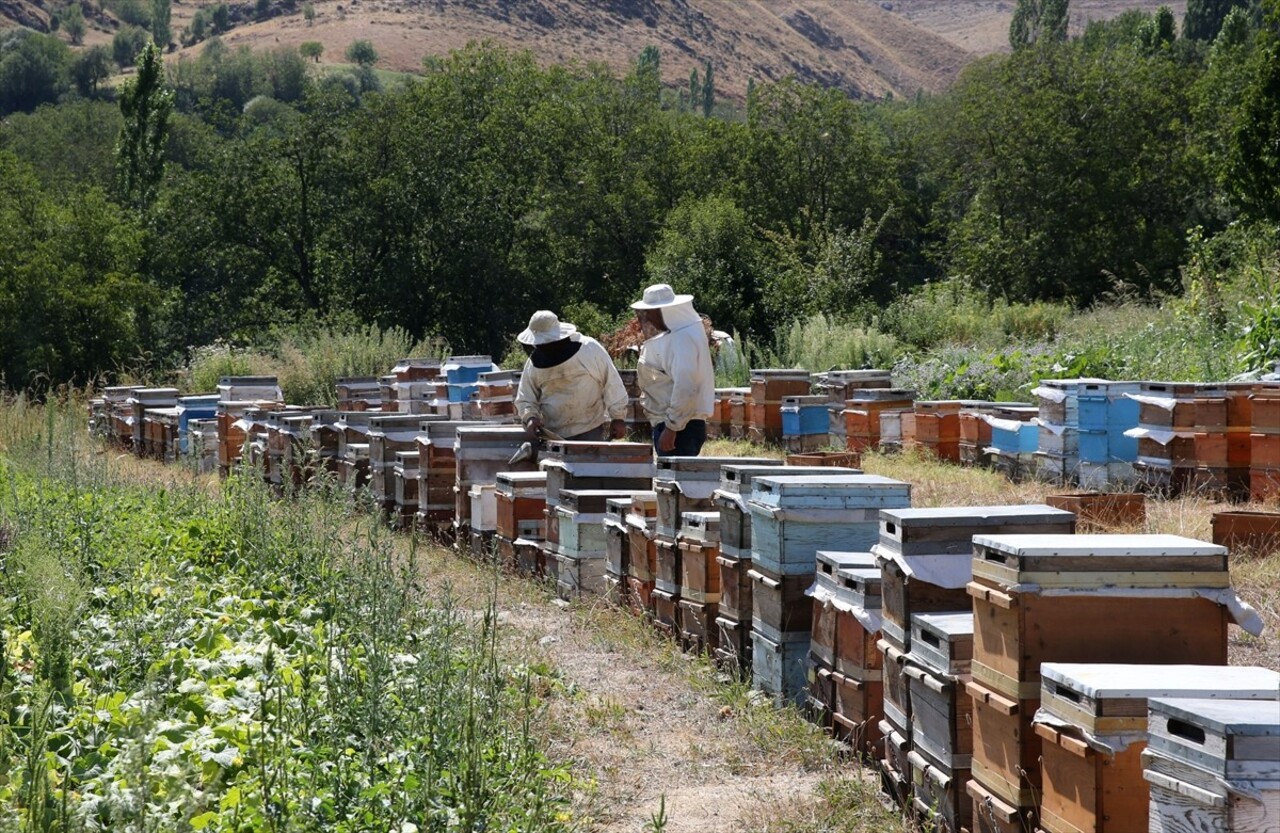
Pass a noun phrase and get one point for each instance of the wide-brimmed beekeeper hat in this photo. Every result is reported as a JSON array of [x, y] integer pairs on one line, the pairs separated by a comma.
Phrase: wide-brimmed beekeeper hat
[[661, 295], [545, 327]]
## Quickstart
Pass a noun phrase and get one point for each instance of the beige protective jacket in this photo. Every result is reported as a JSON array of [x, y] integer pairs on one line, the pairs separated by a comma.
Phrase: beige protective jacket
[[576, 395], [675, 375]]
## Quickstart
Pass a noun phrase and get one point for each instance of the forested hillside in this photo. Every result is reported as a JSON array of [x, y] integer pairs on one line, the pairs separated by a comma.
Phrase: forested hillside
[[220, 198]]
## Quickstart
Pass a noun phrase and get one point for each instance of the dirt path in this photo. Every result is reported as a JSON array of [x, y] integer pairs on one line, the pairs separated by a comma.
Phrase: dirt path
[[648, 727]]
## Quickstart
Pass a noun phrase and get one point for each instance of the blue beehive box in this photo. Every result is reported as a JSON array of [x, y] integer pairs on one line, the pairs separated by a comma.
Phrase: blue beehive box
[[461, 393], [794, 517], [201, 406], [804, 416], [465, 370], [1094, 446]]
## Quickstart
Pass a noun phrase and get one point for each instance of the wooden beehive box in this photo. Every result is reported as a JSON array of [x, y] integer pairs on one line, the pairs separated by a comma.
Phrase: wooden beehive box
[[686, 484], [580, 514], [406, 481], [779, 607], [1101, 511], [699, 572], [521, 496], [480, 453], [437, 470], [701, 527], [793, 517], [667, 568], [735, 588], [1083, 598], [1093, 721], [939, 795], [1245, 531], [941, 709], [942, 643], [768, 388], [698, 630], [484, 507], [779, 667], [617, 543], [1212, 765], [897, 693], [926, 556], [828, 596], [858, 618]]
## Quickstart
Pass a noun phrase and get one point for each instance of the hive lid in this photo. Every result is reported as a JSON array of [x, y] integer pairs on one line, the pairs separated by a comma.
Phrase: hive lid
[[954, 626], [1099, 681], [1099, 545], [836, 561], [1233, 718], [974, 515]]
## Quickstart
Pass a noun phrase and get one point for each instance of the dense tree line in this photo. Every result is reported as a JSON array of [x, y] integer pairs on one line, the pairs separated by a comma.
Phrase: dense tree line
[[487, 187]]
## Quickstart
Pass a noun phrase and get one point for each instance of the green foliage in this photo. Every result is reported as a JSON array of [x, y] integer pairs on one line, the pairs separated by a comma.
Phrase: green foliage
[[70, 293], [649, 73], [1038, 21], [1255, 147], [821, 343], [161, 17], [309, 13], [245, 664], [220, 18], [311, 49], [1158, 33], [1203, 19], [708, 92], [71, 19], [131, 12], [90, 68], [69, 147], [127, 45], [362, 53], [955, 312], [33, 70], [145, 104]]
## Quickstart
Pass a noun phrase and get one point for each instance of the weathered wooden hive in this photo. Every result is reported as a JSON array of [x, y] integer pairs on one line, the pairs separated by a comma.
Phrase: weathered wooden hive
[[828, 594], [642, 522], [941, 718], [437, 474], [617, 549], [580, 551], [837, 387], [768, 389], [389, 433], [480, 453], [1264, 441], [521, 504], [862, 412], [792, 518], [1093, 724], [1159, 599], [700, 580], [1212, 765], [805, 422]]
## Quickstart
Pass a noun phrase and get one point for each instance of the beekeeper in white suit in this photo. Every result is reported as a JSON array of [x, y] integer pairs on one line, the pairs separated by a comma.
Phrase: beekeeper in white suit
[[569, 385], [675, 375]]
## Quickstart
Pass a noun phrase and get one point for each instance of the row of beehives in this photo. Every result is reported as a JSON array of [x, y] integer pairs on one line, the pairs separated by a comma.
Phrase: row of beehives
[[1214, 438], [728, 548], [985, 657]]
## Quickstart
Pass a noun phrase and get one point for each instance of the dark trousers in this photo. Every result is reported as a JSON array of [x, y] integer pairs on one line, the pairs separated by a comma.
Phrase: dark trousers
[[688, 442]]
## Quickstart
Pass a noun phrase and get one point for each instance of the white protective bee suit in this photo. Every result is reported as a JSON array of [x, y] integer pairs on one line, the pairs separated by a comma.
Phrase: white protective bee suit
[[578, 395], [676, 379]]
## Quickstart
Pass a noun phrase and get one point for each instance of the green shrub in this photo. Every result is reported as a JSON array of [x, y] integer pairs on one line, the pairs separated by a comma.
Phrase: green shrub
[[820, 343], [954, 311]]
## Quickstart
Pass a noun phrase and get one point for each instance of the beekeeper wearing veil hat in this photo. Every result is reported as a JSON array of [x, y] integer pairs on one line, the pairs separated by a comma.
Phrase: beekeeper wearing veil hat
[[569, 385], [675, 375]]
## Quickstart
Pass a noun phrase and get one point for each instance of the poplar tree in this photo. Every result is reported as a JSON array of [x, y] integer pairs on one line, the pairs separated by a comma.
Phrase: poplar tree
[[708, 92], [145, 102]]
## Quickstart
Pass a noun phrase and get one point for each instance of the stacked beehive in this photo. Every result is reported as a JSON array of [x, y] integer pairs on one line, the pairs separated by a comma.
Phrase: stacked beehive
[[642, 524], [196, 406], [1058, 452], [1092, 724], [521, 499], [941, 713], [353, 448], [437, 475], [975, 437], [1104, 412], [682, 485], [863, 414], [404, 476], [119, 414], [389, 433], [837, 387], [791, 519], [149, 431], [462, 375], [1211, 765], [768, 389], [290, 457], [926, 560], [739, 413], [480, 452], [617, 549], [413, 387], [805, 423], [580, 553], [358, 393], [698, 540], [1158, 599], [733, 624], [1166, 433], [1015, 436], [718, 424], [202, 444], [495, 395], [580, 466], [857, 684], [1264, 441], [637, 423], [933, 427], [829, 595], [483, 520], [236, 395]]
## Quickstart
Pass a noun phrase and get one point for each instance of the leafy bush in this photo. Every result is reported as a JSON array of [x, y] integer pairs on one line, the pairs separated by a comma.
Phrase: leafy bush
[[954, 311], [820, 343], [185, 659], [127, 44]]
